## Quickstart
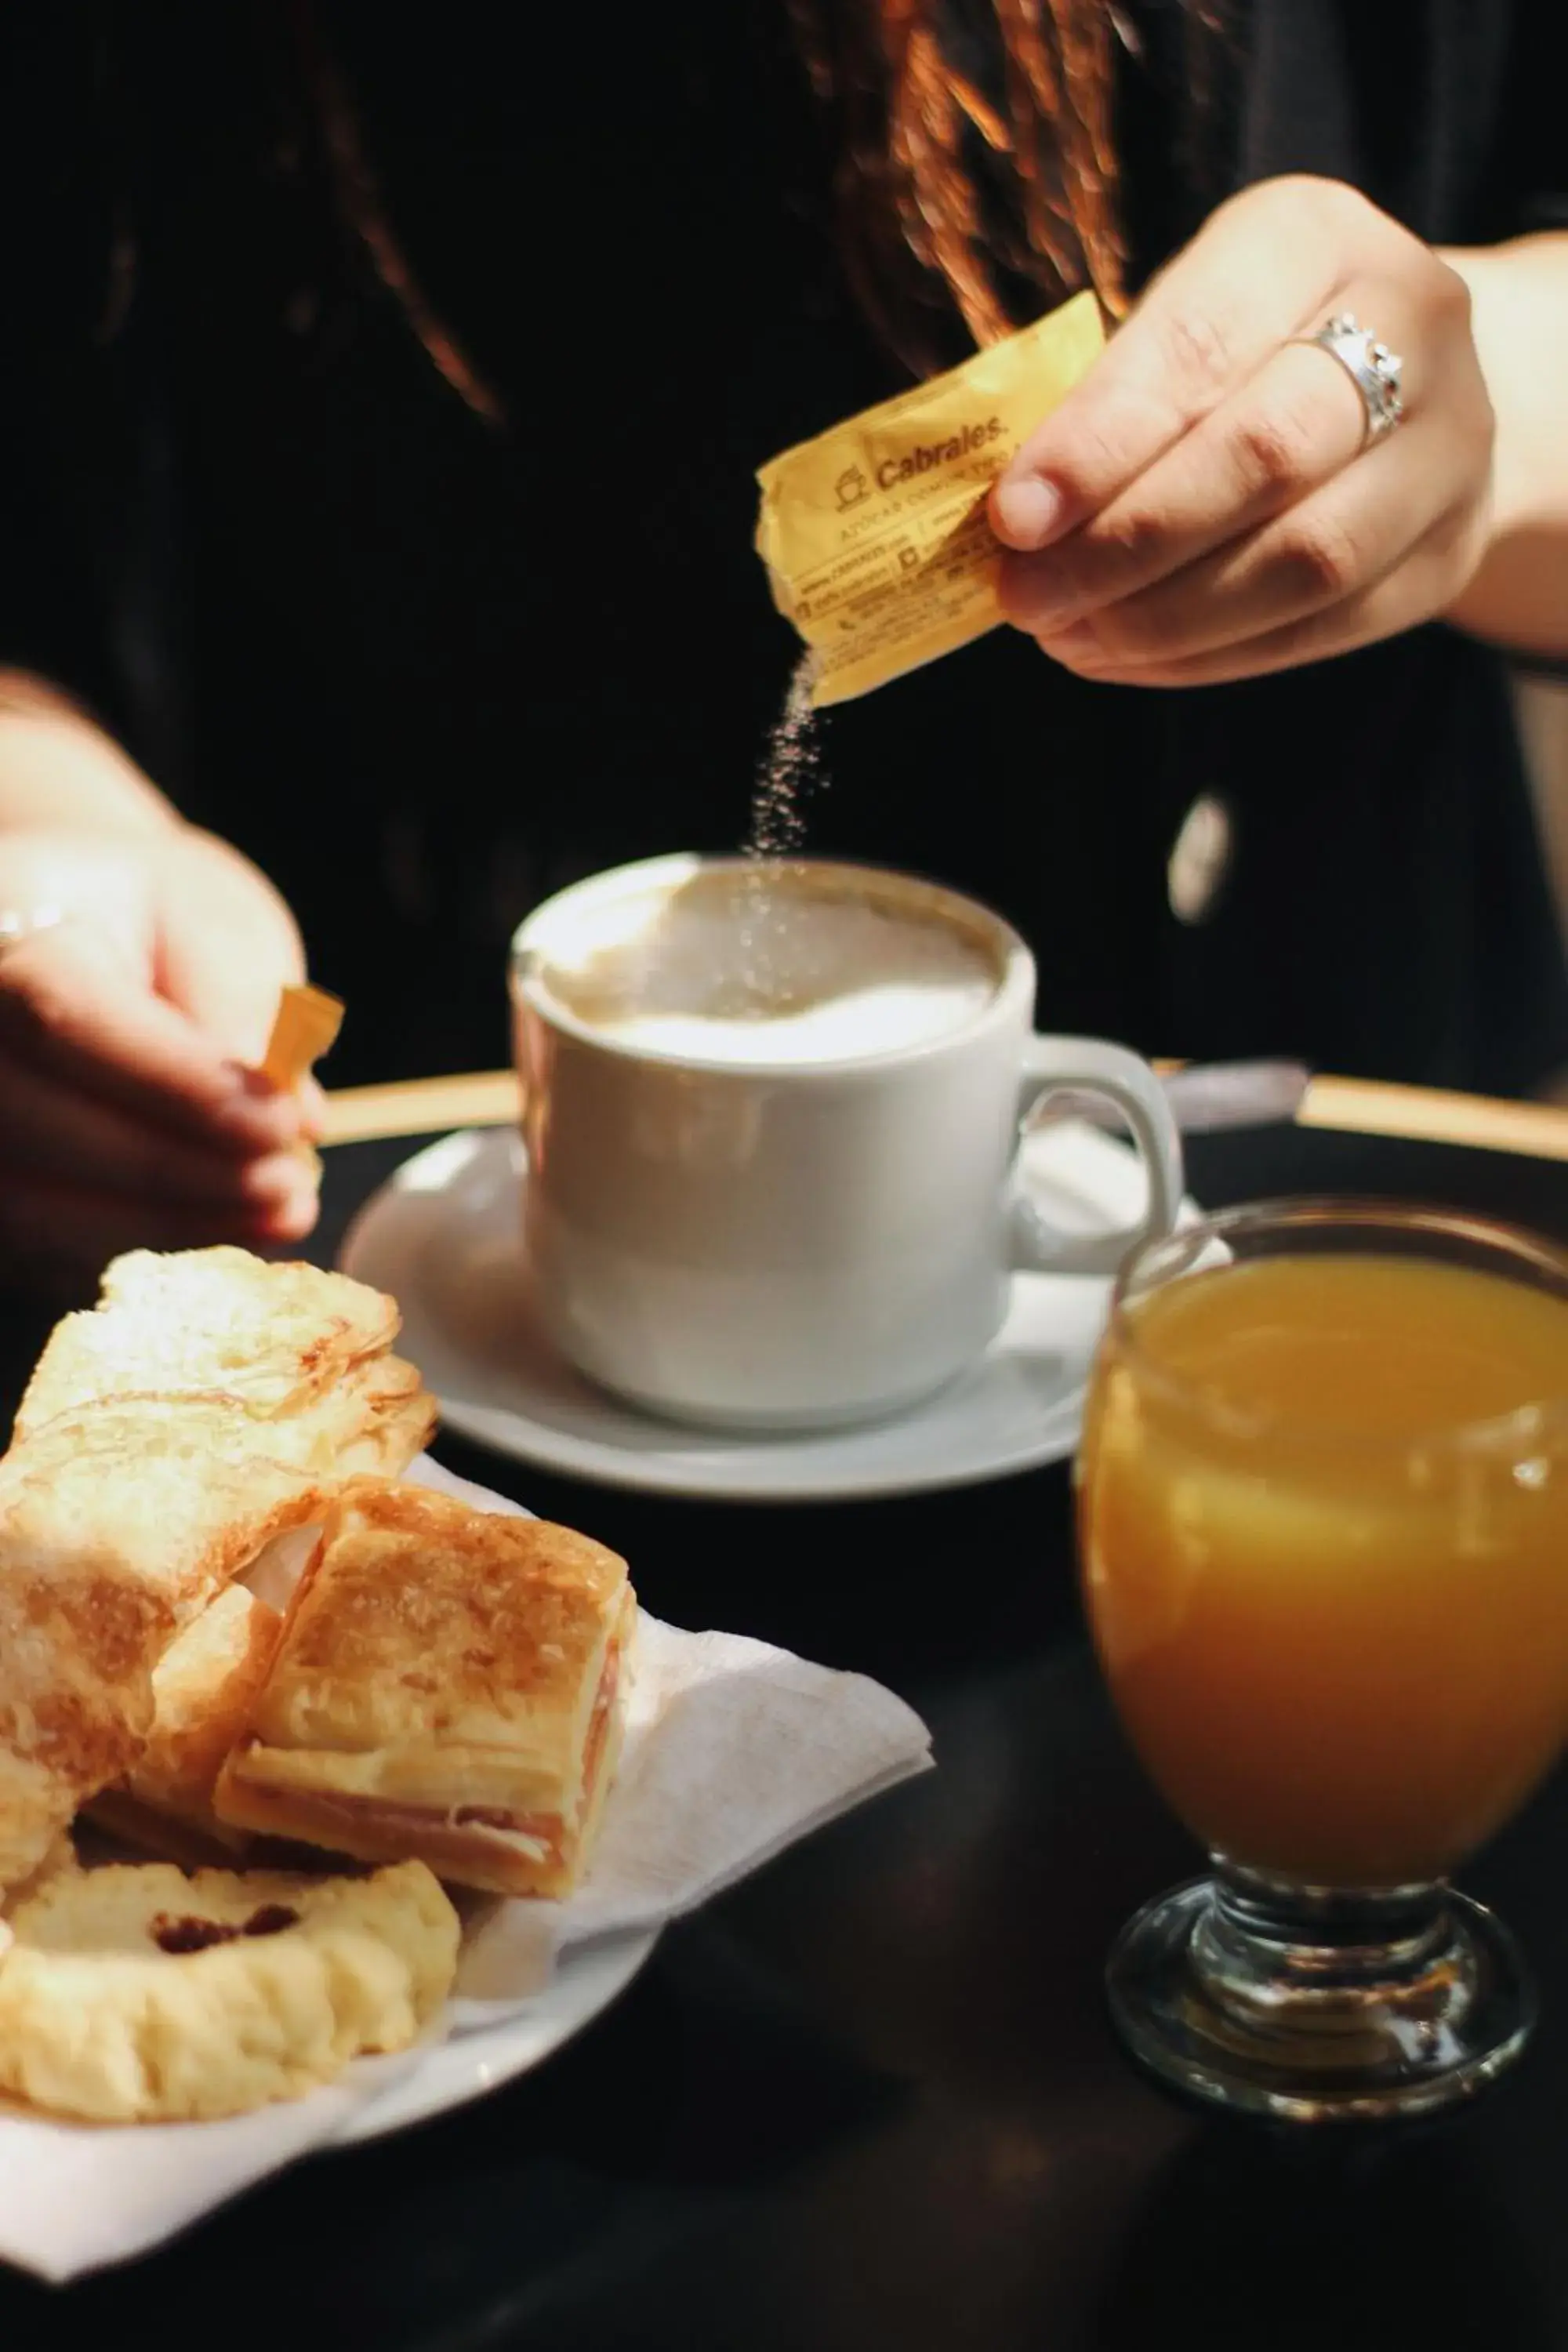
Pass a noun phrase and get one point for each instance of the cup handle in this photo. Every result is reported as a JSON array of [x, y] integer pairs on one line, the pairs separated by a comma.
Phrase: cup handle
[[1088, 1064]]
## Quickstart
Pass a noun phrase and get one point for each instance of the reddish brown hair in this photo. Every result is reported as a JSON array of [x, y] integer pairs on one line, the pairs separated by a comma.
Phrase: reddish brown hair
[[977, 164]]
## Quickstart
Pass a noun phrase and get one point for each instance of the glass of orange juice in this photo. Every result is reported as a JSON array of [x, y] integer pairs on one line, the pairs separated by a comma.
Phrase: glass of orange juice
[[1323, 1512]]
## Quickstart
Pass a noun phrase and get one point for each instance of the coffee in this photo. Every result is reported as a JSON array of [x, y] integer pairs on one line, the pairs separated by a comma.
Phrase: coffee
[[780, 1191], [755, 965]]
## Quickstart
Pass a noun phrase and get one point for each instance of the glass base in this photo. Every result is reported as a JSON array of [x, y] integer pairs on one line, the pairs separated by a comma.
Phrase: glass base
[[1269, 1999]]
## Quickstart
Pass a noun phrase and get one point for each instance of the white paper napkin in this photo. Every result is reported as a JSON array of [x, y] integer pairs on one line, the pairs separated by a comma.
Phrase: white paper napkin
[[733, 1750]]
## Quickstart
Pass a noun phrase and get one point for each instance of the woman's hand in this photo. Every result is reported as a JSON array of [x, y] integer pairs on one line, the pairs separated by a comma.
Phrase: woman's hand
[[1203, 505], [129, 1113]]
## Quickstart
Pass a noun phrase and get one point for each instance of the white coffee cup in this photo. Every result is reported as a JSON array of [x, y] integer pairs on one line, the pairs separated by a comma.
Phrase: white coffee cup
[[750, 1223]]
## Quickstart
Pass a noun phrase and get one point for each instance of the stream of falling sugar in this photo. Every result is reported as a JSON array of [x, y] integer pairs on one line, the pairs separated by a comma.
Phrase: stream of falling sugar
[[789, 772], [790, 769]]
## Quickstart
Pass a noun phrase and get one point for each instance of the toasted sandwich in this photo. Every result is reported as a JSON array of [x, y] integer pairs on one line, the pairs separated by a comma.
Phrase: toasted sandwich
[[118, 1526], [210, 1404], [277, 1338], [303, 1351], [203, 1688], [449, 1686]]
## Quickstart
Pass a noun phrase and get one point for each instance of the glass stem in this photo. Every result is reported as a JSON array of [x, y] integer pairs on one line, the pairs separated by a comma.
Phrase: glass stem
[[1264, 1945], [1305, 2004]]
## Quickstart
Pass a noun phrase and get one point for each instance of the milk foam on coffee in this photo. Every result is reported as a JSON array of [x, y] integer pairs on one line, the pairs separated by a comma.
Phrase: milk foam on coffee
[[741, 967]]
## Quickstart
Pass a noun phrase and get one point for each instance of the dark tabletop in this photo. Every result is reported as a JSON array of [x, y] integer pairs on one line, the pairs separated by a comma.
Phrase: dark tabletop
[[869, 2098]]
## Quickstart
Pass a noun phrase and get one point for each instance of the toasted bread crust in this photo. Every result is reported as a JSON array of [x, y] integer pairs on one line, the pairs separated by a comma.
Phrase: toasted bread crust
[[209, 1402], [203, 1688], [194, 1321], [117, 1527], [422, 1618], [449, 1683]]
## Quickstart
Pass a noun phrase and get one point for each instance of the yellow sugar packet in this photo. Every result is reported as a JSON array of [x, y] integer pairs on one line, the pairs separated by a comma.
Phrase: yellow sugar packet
[[306, 1023], [875, 534]]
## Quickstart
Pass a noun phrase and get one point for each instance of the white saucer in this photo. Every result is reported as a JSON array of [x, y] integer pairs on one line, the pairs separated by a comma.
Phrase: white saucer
[[464, 2066], [443, 1237]]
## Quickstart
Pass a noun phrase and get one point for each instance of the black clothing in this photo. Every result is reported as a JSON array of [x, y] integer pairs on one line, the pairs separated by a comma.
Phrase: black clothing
[[427, 668]]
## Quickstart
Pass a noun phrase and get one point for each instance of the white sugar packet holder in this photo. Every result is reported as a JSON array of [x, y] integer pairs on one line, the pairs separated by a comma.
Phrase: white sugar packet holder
[[733, 1751]]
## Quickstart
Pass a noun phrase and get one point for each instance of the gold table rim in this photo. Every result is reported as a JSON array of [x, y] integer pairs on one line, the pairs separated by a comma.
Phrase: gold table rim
[[417, 1106]]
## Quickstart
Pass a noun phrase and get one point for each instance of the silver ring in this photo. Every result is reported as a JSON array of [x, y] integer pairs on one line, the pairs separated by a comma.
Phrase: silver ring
[[1371, 366]]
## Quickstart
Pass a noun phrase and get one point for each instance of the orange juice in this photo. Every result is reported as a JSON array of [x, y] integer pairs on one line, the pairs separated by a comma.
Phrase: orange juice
[[1324, 1505]]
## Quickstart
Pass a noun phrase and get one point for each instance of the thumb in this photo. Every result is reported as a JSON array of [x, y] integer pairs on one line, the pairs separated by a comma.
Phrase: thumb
[[226, 945]]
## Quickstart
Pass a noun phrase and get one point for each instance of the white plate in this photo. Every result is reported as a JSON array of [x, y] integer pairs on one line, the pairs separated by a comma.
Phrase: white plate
[[749, 1778], [443, 1235], [588, 1978]]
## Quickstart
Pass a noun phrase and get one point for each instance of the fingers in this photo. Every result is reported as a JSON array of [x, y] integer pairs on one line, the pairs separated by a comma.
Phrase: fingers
[[1294, 425], [74, 1009], [129, 1116], [1329, 547], [228, 945], [1419, 583], [54, 1230], [50, 1127], [310, 1097], [1395, 513], [1270, 532], [1257, 272]]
